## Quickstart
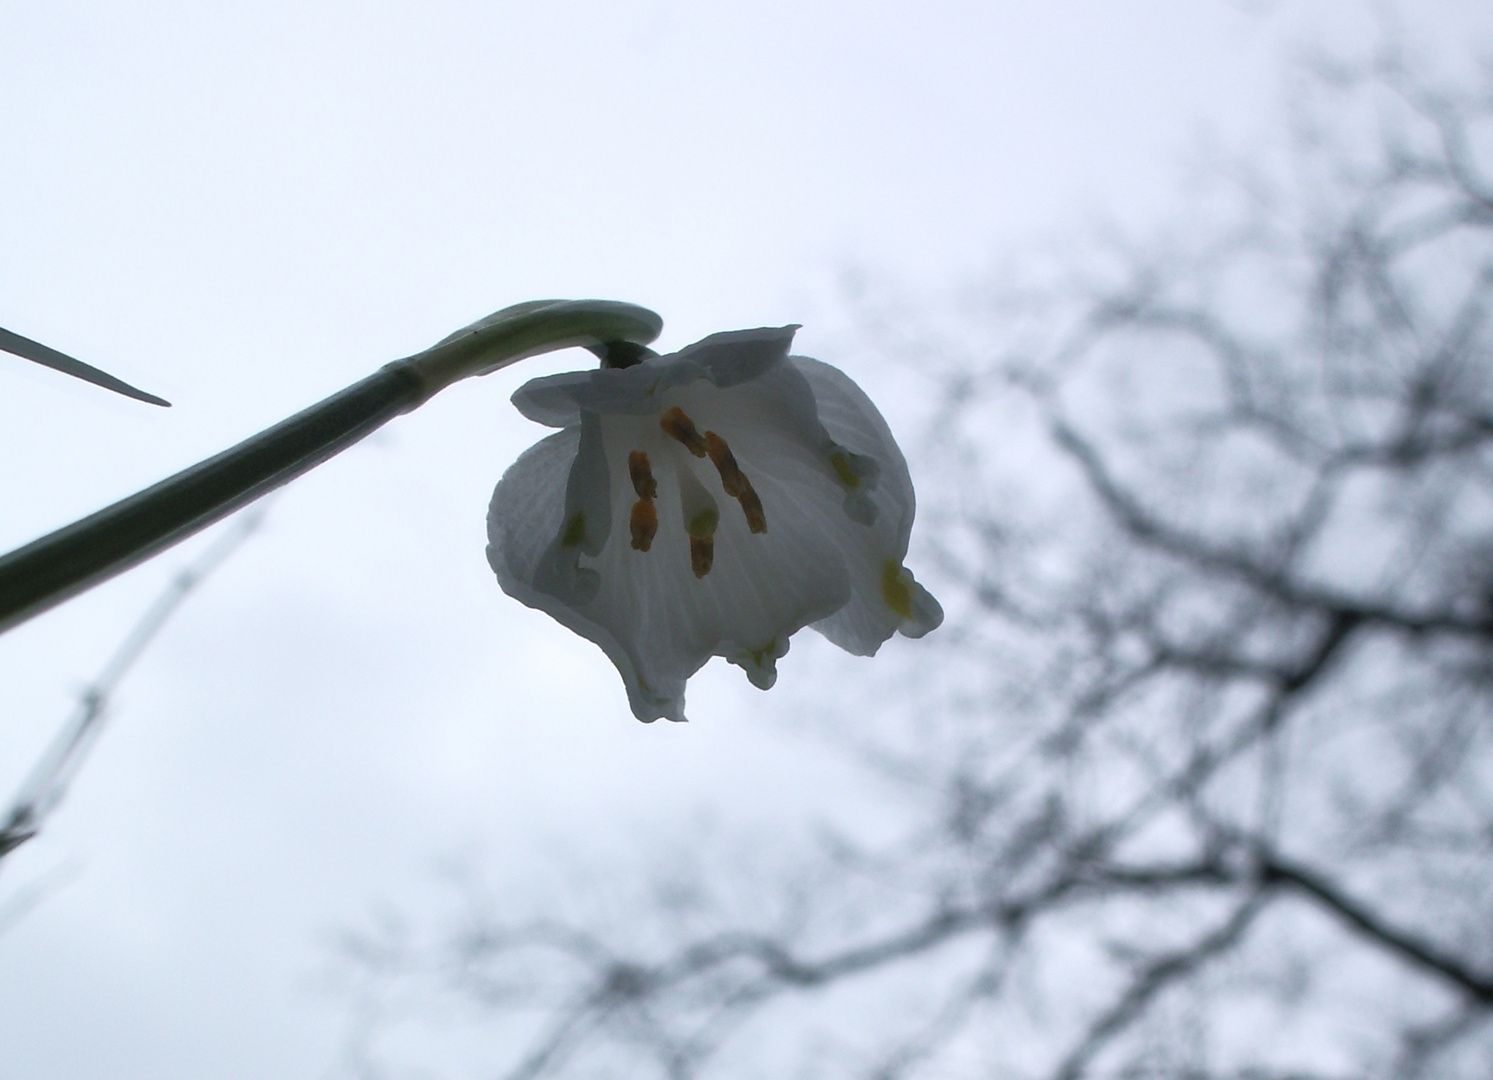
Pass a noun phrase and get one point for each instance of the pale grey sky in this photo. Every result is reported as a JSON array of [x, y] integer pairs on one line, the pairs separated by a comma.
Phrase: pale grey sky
[[245, 208]]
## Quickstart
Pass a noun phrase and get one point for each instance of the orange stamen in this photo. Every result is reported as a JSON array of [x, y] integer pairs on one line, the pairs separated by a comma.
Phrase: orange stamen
[[679, 426], [735, 483], [642, 476], [751, 506], [644, 524], [725, 462]]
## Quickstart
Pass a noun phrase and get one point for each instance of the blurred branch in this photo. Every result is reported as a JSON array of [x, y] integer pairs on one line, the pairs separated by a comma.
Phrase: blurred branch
[[1456, 161], [1374, 927], [1247, 567], [29, 896], [1153, 978]]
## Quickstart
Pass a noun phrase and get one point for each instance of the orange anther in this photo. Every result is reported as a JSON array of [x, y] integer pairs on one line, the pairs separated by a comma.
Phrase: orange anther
[[642, 476], [751, 506], [725, 462], [679, 426], [735, 483], [644, 524]]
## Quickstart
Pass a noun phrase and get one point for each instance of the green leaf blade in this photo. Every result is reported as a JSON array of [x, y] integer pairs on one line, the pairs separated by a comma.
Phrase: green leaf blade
[[38, 353]]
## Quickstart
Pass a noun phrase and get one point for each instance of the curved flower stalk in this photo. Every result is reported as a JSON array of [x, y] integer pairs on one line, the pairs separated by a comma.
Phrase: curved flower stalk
[[711, 502], [54, 567]]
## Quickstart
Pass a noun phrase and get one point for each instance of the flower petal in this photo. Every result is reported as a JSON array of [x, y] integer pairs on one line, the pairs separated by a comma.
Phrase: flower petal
[[654, 619], [727, 359], [760, 665], [886, 597], [738, 356], [800, 516], [523, 525], [759, 588], [809, 429], [549, 401]]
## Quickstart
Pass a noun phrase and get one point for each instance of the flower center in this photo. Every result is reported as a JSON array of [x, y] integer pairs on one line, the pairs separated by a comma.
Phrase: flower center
[[701, 516], [677, 425]]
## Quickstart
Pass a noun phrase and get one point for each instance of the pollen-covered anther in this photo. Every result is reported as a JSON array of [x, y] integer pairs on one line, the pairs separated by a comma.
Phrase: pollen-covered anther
[[751, 506], [725, 462], [677, 425], [644, 520], [642, 475], [735, 483], [644, 523], [701, 555]]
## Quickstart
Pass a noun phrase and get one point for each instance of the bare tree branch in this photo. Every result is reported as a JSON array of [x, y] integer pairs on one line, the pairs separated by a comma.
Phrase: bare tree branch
[[1154, 978], [1373, 926]]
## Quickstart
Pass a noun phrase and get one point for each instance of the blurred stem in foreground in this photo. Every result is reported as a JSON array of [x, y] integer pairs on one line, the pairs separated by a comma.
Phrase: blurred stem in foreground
[[87, 552], [47, 784]]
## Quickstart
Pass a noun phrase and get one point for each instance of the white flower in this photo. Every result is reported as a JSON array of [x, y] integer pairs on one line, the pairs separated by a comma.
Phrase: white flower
[[709, 503]]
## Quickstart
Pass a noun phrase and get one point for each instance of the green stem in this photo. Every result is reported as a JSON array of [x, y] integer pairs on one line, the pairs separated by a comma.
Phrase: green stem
[[78, 556]]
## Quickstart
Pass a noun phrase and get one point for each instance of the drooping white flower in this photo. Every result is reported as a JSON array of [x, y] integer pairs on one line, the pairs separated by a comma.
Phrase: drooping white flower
[[707, 503]]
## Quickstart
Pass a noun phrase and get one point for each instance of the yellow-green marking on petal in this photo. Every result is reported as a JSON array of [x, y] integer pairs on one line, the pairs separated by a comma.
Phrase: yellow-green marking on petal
[[894, 589], [575, 531], [703, 524], [840, 462]]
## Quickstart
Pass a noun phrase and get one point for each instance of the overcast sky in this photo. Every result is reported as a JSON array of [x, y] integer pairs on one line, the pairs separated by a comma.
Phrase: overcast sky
[[245, 207]]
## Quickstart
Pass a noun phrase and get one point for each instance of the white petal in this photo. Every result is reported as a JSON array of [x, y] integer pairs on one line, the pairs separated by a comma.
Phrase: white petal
[[774, 426], [927, 613], [523, 523], [760, 665], [875, 555], [738, 356], [528, 508], [549, 401], [559, 400], [655, 620], [760, 589], [727, 359]]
